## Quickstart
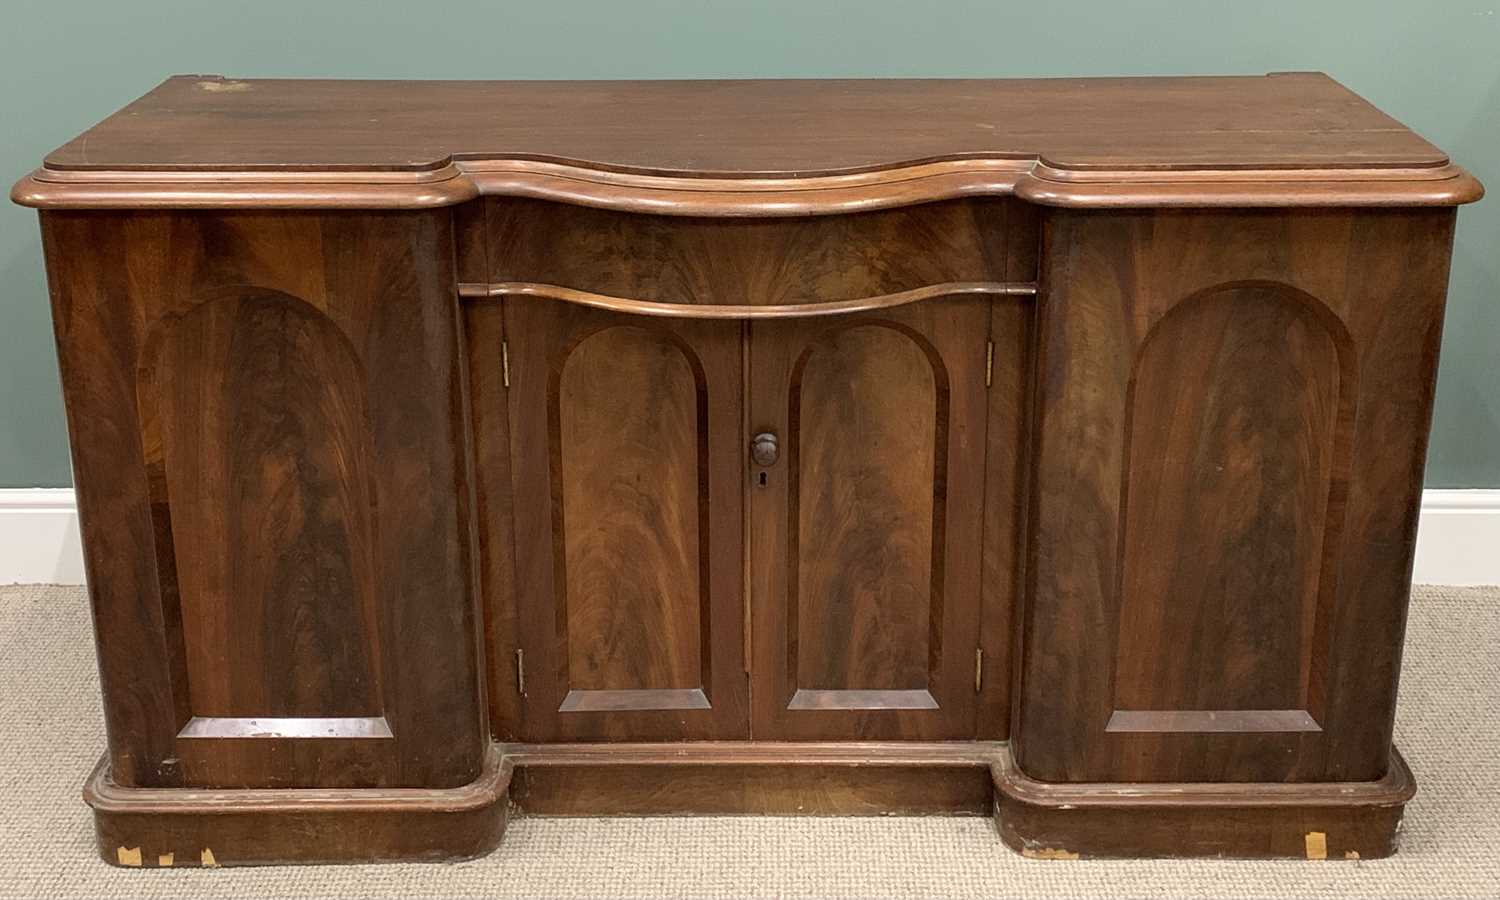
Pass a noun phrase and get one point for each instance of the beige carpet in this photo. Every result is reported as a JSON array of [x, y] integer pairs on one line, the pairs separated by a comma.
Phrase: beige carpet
[[1448, 726]]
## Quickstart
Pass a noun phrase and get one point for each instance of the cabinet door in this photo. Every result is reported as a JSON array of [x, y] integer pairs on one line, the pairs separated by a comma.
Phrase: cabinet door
[[865, 529], [626, 453], [268, 441], [1232, 416]]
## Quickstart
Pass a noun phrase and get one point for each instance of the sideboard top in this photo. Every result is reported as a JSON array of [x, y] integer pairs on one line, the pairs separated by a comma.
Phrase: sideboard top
[[758, 147]]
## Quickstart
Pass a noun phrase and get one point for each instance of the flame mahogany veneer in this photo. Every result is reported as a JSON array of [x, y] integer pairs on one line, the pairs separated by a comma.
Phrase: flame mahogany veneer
[[1048, 449]]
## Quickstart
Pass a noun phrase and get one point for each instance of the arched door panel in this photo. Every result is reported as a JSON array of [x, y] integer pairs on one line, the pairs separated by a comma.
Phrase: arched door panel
[[865, 543]]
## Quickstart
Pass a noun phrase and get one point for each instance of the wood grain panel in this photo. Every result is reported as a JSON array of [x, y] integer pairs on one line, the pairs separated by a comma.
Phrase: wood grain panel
[[866, 415], [1238, 420], [629, 466], [256, 422], [1308, 375], [628, 523], [867, 533], [267, 423]]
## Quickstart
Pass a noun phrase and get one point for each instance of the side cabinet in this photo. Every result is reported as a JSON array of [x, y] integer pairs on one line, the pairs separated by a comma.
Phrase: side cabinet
[[1232, 419], [267, 428]]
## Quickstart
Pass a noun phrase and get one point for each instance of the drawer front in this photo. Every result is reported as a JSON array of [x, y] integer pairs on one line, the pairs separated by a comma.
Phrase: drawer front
[[756, 262]]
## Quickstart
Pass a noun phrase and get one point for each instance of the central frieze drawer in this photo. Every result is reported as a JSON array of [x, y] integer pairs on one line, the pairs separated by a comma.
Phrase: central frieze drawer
[[758, 261]]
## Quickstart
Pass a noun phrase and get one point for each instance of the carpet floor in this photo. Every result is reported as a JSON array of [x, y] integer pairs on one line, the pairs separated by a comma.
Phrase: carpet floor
[[1448, 726]]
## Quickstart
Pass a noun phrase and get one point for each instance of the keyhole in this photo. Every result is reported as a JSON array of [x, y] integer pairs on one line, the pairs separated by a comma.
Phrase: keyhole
[[763, 479]]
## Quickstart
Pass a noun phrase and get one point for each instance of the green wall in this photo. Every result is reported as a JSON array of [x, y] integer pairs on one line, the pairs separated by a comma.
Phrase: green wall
[[1434, 65]]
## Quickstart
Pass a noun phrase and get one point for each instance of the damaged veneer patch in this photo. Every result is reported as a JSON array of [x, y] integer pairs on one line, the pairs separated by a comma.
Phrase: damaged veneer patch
[[1317, 845], [132, 856], [1048, 853]]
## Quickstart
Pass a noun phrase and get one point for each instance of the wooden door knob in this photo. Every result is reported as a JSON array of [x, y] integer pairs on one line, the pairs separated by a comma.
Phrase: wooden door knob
[[764, 449]]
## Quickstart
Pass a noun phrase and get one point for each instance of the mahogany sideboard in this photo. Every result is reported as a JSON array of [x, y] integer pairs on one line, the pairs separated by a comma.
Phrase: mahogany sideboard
[[1048, 449]]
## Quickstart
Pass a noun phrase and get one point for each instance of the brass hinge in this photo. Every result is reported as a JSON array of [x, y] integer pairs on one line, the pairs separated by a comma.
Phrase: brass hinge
[[521, 672], [505, 365], [989, 362], [978, 669]]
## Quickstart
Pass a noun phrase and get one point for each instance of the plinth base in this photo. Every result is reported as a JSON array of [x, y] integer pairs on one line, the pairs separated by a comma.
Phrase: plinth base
[[193, 827]]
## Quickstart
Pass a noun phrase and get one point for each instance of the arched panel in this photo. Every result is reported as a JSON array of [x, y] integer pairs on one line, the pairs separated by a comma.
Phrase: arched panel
[[258, 444], [630, 483], [867, 419], [1239, 419]]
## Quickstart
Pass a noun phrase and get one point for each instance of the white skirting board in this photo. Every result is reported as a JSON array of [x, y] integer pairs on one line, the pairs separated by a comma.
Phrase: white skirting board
[[1458, 541], [1458, 537], [39, 537]]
